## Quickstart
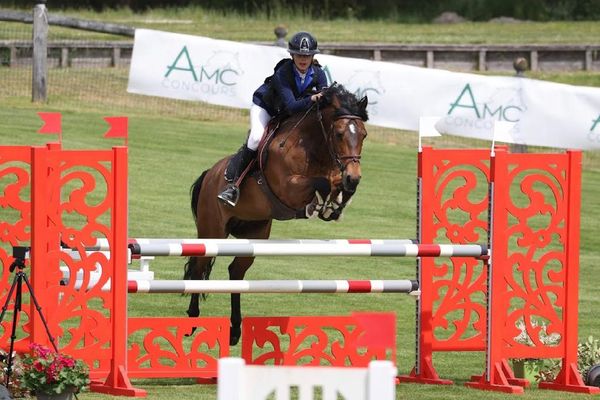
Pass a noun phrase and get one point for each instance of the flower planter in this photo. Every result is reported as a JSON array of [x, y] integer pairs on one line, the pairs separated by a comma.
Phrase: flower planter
[[46, 372], [66, 395], [593, 376], [527, 369]]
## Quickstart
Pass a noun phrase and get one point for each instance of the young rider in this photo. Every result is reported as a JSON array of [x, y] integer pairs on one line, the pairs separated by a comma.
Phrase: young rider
[[289, 90]]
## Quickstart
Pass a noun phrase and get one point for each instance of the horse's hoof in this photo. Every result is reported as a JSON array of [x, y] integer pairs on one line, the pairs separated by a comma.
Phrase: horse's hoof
[[234, 336], [336, 216], [233, 340], [191, 332], [193, 313]]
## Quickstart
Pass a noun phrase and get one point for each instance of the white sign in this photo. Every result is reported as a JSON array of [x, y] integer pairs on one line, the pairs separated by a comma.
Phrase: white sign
[[227, 73]]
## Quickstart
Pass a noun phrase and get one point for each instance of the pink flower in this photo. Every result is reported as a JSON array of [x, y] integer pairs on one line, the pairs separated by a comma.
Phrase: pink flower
[[69, 362], [40, 350]]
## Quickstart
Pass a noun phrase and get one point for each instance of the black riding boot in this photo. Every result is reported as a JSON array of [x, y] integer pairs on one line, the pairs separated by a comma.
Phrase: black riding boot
[[236, 166]]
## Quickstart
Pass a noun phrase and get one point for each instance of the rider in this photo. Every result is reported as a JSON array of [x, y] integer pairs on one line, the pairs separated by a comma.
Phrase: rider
[[289, 90]]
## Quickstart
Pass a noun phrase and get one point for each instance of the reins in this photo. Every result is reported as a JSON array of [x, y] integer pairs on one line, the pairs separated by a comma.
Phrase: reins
[[283, 142], [341, 161]]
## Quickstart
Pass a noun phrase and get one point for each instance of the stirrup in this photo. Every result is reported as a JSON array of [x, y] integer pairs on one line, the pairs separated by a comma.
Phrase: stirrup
[[230, 195]]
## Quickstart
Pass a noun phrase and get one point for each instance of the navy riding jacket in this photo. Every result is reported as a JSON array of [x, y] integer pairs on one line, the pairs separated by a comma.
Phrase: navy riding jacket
[[283, 93]]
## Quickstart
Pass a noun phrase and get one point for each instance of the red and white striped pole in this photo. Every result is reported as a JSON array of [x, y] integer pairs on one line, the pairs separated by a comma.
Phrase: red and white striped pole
[[274, 248], [273, 286]]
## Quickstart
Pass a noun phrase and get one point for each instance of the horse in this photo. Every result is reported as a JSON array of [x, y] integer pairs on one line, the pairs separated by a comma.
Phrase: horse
[[309, 167]]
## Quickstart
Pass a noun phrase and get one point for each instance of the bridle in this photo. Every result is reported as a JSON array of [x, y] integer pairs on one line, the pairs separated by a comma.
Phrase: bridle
[[343, 160]]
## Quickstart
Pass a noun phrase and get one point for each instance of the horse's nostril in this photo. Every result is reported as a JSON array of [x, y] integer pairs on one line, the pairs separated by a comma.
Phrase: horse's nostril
[[351, 182]]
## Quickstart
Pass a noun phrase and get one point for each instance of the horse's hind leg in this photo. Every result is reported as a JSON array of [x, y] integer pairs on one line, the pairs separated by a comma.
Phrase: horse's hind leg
[[238, 268], [197, 268], [237, 271]]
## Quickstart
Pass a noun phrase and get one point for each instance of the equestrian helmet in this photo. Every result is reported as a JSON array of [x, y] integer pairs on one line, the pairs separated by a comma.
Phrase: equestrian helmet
[[303, 43]]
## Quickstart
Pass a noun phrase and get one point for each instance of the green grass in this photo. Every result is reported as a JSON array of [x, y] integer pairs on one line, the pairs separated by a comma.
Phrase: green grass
[[197, 21], [167, 153]]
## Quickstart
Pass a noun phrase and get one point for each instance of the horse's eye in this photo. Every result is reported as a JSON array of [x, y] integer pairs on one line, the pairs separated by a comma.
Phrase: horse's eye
[[339, 135]]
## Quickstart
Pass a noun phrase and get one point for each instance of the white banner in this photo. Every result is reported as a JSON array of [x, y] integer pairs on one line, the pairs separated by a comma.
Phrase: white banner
[[227, 73]]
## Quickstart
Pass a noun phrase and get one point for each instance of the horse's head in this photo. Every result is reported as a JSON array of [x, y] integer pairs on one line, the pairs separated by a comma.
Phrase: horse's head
[[343, 118]]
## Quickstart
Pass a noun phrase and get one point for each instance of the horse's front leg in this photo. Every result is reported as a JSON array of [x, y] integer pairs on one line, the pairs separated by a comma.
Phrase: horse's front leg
[[237, 271], [336, 201], [330, 209]]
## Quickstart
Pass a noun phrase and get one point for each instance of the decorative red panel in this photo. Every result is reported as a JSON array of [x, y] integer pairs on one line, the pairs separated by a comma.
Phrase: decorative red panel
[[74, 203], [324, 340], [457, 198], [453, 208], [167, 352], [15, 226], [535, 268]]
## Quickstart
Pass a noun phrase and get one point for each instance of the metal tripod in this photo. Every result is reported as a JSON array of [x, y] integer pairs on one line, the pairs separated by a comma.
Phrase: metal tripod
[[18, 264]]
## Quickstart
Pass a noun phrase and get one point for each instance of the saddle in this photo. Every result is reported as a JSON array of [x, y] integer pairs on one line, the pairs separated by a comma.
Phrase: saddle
[[255, 169]]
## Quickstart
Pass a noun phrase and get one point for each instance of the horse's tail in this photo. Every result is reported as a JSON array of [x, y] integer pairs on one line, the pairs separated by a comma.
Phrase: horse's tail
[[195, 193], [192, 263], [188, 273]]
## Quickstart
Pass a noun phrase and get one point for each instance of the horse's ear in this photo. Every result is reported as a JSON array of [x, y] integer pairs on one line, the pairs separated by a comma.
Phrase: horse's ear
[[363, 103]]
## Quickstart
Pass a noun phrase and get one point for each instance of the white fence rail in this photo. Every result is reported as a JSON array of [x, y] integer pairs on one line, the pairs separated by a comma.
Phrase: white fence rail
[[238, 381]]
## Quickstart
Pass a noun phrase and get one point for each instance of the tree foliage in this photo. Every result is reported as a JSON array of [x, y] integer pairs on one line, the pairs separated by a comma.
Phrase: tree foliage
[[398, 10]]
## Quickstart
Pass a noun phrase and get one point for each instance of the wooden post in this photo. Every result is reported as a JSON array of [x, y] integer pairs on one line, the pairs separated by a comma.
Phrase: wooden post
[[40, 52], [520, 65], [376, 54], [588, 60], [64, 57], [116, 56], [534, 60], [482, 62], [13, 56], [429, 61]]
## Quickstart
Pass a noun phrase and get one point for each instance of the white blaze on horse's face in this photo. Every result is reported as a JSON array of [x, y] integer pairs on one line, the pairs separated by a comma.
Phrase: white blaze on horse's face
[[352, 128]]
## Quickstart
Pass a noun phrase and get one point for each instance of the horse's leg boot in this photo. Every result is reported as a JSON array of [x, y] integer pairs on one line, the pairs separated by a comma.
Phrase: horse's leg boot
[[236, 166]]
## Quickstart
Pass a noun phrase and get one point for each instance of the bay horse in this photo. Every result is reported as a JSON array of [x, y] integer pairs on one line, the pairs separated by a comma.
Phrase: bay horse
[[312, 168]]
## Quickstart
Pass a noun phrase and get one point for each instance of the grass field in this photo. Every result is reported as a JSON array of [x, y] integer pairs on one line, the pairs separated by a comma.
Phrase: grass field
[[171, 143]]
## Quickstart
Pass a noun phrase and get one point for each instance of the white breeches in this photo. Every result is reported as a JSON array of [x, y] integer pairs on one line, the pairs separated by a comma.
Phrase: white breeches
[[259, 118]]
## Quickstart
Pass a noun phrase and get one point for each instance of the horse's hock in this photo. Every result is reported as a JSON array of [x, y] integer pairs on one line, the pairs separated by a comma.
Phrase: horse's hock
[[549, 181]]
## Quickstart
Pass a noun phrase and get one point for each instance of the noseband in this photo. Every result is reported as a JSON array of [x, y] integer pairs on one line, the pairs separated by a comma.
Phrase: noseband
[[341, 161]]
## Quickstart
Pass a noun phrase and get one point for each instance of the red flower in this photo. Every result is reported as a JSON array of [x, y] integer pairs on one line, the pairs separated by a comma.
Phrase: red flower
[[69, 362], [38, 366]]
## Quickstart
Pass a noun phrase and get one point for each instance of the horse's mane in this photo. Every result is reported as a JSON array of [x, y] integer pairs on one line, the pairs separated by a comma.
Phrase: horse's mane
[[349, 102]]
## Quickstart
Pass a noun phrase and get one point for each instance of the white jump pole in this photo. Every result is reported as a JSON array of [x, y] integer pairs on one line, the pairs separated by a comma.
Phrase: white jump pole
[[265, 286], [385, 249]]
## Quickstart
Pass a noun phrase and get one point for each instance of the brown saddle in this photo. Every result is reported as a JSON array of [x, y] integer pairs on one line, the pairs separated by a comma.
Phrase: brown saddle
[[255, 169]]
